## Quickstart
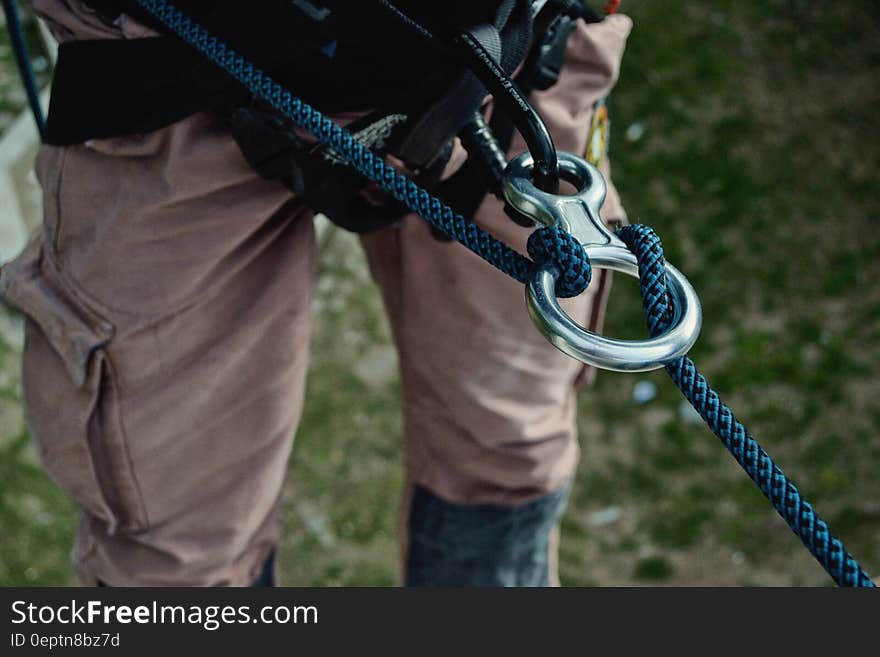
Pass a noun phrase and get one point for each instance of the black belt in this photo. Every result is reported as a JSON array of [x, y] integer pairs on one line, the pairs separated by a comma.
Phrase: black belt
[[337, 62]]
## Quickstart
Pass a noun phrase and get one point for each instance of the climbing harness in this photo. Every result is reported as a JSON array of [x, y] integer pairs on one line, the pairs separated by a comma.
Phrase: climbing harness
[[335, 59], [570, 237]]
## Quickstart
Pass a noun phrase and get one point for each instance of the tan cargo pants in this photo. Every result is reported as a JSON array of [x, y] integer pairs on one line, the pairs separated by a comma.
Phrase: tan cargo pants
[[167, 298]]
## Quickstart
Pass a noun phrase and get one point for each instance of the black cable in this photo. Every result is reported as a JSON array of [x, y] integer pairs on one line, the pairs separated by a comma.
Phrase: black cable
[[22, 58], [406, 20], [480, 143]]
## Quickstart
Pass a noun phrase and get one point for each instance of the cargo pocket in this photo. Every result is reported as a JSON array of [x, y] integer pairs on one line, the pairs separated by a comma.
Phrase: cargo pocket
[[71, 400]]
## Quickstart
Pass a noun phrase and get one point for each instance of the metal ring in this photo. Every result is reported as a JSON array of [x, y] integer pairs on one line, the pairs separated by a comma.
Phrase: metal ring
[[611, 353], [578, 214]]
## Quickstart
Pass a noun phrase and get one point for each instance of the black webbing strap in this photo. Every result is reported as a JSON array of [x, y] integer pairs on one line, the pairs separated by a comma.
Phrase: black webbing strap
[[113, 87], [336, 61], [506, 39]]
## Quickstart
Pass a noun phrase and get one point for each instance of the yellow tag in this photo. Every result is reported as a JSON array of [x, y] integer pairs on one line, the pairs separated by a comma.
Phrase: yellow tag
[[597, 143]]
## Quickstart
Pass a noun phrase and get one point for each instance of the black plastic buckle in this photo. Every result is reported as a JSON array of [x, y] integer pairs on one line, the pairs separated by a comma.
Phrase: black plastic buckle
[[550, 55]]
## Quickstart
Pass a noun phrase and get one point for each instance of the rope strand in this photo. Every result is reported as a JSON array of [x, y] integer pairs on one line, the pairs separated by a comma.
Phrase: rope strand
[[769, 477]]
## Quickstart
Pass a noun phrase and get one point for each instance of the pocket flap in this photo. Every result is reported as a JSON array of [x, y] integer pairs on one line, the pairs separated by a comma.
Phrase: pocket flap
[[31, 284]]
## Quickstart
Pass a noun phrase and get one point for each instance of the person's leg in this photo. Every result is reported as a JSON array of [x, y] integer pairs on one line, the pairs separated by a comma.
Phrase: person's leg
[[167, 301], [489, 404]]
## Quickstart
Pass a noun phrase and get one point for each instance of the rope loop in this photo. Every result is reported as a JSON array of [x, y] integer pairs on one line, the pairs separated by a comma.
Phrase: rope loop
[[550, 245]]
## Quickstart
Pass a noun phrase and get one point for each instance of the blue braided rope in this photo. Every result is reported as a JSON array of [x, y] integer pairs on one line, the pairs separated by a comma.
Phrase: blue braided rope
[[558, 244], [779, 489]]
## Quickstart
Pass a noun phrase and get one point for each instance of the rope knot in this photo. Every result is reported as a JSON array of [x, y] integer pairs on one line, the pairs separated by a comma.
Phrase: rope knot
[[550, 245]]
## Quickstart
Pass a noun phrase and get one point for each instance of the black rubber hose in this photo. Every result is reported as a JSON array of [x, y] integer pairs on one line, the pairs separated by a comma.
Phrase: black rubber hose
[[480, 143], [528, 122]]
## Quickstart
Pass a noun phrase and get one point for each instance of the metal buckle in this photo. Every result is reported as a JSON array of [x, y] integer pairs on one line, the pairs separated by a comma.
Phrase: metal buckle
[[578, 214]]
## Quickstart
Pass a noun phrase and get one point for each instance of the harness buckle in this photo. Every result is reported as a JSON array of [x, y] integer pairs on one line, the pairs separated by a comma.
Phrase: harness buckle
[[578, 214]]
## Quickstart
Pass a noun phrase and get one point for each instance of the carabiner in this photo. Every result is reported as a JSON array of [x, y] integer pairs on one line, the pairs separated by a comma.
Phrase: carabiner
[[578, 214]]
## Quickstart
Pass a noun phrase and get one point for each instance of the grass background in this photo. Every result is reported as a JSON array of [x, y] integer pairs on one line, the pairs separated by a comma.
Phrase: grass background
[[746, 133]]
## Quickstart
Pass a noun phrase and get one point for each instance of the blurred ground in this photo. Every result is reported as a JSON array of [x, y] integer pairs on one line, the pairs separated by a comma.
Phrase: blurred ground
[[746, 133]]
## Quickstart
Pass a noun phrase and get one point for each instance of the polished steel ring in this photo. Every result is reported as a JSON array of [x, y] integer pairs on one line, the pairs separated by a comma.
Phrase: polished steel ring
[[578, 214]]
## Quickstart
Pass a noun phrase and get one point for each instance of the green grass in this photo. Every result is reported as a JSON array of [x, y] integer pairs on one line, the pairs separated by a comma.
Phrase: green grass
[[760, 168], [37, 520]]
